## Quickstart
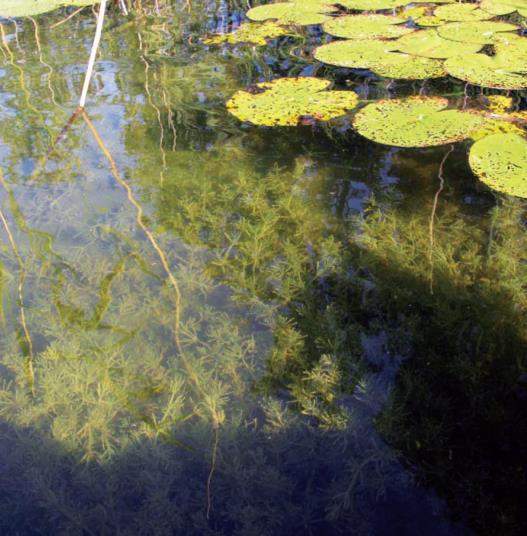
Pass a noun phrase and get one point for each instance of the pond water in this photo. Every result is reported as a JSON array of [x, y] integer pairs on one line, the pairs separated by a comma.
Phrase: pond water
[[209, 327]]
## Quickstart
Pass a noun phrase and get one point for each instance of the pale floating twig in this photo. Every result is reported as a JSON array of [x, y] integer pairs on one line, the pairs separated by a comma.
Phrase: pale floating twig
[[93, 53]]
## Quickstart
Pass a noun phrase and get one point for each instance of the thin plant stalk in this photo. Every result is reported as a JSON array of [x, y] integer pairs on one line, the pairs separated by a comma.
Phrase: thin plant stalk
[[93, 53]]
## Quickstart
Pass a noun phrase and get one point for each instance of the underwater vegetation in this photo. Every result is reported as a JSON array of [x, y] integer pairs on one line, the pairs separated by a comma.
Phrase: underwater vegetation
[[255, 287]]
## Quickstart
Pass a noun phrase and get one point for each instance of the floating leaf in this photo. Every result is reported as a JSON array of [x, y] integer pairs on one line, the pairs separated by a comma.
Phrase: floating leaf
[[484, 71], [28, 8], [301, 12], [462, 13], [250, 32], [379, 56], [483, 32], [500, 161], [511, 52], [430, 20], [430, 44], [286, 101], [372, 5], [381, 5], [366, 26], [414, 12], [416, 122], [505, 7]]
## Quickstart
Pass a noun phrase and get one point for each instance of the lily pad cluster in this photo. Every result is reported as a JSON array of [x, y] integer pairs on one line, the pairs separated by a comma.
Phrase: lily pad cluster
[[399, 40]]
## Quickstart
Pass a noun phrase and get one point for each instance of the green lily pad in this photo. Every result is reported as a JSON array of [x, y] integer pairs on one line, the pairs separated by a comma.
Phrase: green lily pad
[[505, 7], [28, 8], [462, 13], [372, 5], [249, 32], [379, 56], [415, 122], [430, 21], [285, 101], [366, 26], [484, 71], [511, 52], [430, 44], [481, 32], [500, 161], [302, 13]]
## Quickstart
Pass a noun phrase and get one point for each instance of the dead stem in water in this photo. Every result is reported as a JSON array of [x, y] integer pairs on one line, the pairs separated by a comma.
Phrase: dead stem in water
[[20, 289], [433, 215], [216, 415], [48, 67], [140, 222]]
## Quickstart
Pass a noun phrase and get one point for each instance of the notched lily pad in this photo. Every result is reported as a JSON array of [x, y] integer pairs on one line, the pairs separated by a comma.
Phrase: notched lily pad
[[28, 8], [462, 13], [367, 26], [484, 71], [500, 161], [482, 32], [427, 21], [380, 57], [301, 12], [372, 5], [429, 44], [415, 122], [250, 32], [505, 7], [289, 101]]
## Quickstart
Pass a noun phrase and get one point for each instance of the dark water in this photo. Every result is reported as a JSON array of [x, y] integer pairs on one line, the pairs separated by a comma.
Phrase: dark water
[[282, 343]]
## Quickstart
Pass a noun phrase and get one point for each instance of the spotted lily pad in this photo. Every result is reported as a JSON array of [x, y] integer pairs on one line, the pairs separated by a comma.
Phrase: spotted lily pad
[[481, 32], [430, 44], [500, 161], [379, 56], [251, 32], [415, 122], [366, 26], [511, 52], [462, 13], [286, 101], [300, 12], [505, 7], [28, 8], [485, 71]]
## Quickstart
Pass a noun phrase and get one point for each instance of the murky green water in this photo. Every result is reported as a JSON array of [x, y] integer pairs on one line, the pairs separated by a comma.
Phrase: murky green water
[[318, 359]]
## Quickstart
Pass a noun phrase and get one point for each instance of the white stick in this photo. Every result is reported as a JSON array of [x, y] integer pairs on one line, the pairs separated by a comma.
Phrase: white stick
[[95, 46]]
